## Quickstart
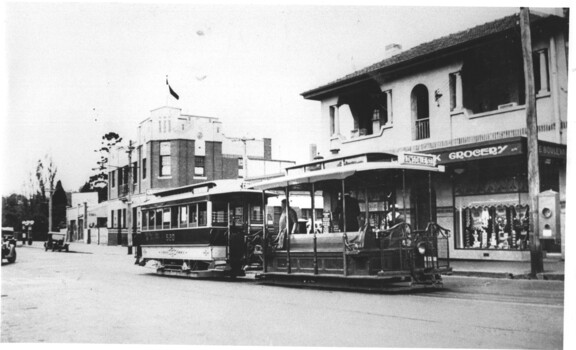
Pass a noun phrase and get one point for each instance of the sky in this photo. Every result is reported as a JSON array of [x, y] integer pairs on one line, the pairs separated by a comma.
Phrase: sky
[[76, 71]]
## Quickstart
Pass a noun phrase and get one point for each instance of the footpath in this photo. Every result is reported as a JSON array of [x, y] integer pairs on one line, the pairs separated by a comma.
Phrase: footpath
[[553, 269], [553, 265]]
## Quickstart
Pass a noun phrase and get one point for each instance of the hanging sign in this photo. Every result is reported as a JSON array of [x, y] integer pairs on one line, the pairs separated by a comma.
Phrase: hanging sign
[[410, 158]]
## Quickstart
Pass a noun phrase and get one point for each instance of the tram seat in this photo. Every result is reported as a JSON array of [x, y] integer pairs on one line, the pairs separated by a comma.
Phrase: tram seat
[[366, 238], [326, 242]]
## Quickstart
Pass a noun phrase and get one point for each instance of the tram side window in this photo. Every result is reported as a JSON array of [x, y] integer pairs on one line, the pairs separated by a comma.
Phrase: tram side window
[[202, 214], [145, 220], [174, 217], [159, 219], [238, 216], [166, 218], [193, 215], [219, 214], [183, 216], [151, 221], [256, 214]]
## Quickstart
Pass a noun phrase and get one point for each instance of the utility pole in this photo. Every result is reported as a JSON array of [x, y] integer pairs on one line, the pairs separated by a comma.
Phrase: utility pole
[[536, 261], [245, 155], [51, 191], [129, 201]]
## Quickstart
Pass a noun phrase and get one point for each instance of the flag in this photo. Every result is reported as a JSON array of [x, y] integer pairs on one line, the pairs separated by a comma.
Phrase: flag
[[172, 92]]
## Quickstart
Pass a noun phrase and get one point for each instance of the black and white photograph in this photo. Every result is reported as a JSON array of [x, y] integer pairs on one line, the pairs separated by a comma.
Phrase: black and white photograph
[[286, 174]]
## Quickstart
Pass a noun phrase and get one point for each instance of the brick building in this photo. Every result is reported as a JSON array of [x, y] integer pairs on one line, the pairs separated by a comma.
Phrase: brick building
[[174, 149], [462, 98]]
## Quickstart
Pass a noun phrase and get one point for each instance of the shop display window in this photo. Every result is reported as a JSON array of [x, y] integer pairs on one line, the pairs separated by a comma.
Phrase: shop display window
[[494, 227]]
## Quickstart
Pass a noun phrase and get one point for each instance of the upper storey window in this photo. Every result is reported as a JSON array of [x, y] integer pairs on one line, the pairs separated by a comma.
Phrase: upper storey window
[[165, 159], [362, 111], [420, 103], [493, 77]]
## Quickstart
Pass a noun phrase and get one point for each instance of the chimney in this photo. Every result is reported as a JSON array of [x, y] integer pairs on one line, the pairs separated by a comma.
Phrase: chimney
[[267, 148], [392, 50], [312, 151]]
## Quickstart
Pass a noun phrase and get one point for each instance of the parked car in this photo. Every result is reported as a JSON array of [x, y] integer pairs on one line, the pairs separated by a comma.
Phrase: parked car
[[57, 241], [8, 244]]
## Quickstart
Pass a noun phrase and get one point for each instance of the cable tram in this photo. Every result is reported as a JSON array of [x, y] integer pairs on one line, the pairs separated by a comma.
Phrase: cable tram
[[211, 229], [377, 229]]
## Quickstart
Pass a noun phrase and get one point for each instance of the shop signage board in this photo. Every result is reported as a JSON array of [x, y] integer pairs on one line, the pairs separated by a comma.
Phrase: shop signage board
[[551, 150], [497, 149], [480, 152], [411, 158]]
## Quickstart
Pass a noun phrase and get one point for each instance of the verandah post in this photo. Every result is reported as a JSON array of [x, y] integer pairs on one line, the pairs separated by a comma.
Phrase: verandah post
[[288, 228], [313, 193], [264, 236], [344, 237]]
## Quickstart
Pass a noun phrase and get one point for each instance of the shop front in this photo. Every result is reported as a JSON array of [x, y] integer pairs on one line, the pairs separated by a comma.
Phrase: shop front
[[490, 197]]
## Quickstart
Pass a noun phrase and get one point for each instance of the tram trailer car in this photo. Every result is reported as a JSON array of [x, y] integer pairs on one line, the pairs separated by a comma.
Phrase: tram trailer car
[[207, 230], [367, 241]]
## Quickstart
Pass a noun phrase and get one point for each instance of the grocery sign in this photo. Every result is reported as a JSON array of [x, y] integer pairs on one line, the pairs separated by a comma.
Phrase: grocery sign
[[516, 147], [480, 152]]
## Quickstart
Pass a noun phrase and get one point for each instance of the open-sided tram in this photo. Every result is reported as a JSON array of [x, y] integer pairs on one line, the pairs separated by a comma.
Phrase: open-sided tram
[[378, 225], [212, 229]]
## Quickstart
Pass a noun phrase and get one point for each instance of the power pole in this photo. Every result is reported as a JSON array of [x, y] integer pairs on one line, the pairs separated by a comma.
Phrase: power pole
[[129, 199], [536, 261]]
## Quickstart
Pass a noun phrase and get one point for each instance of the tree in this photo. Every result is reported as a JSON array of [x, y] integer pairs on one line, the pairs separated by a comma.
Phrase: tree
[[59, 204], [36, 208], [15, 209], [45, 174], [99, 181]]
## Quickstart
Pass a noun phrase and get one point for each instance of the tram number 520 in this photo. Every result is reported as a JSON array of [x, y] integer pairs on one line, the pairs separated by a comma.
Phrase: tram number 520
[[170, 237]]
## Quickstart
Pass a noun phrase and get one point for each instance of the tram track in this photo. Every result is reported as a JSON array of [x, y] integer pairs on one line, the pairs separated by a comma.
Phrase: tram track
[[540, 300]]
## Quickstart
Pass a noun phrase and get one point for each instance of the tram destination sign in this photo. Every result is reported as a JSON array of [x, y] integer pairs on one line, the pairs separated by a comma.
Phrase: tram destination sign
[[410, 158]]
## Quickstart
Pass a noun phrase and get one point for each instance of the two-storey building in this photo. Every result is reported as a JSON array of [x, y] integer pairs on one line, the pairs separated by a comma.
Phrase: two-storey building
[[462, 98]]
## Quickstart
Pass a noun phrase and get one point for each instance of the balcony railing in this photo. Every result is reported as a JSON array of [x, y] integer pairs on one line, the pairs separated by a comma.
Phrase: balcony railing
[[422, 129]]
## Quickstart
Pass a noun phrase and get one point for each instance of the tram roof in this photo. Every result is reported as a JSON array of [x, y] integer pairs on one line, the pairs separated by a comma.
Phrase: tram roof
[[199, 190], [340, 173]]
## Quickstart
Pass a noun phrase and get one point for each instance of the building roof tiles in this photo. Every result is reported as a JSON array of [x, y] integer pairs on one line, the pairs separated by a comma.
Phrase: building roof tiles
[[421, 51]]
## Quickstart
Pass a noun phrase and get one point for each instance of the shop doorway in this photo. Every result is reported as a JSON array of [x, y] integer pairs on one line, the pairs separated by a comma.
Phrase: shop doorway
[[422, 200], [80, 229]]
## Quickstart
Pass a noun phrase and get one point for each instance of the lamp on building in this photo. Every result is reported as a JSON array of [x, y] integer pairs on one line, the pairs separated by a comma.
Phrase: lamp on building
[[437, 97]]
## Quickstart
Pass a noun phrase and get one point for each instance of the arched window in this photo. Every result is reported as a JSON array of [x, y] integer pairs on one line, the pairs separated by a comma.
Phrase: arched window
[[420, 112]]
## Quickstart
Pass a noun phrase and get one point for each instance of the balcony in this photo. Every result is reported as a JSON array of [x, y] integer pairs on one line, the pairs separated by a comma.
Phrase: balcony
[[422, 129], [123, 190]]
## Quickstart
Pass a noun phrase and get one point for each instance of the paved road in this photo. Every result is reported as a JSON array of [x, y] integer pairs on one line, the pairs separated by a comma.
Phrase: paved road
[[96, 295]]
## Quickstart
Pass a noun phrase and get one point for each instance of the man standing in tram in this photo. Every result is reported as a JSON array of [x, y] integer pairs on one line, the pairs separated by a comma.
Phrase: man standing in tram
[[352, 213], [293, 219]]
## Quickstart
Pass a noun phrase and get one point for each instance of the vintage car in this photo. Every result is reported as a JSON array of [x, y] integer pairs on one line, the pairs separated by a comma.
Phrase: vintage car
[[8, 244], [57, 241]]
